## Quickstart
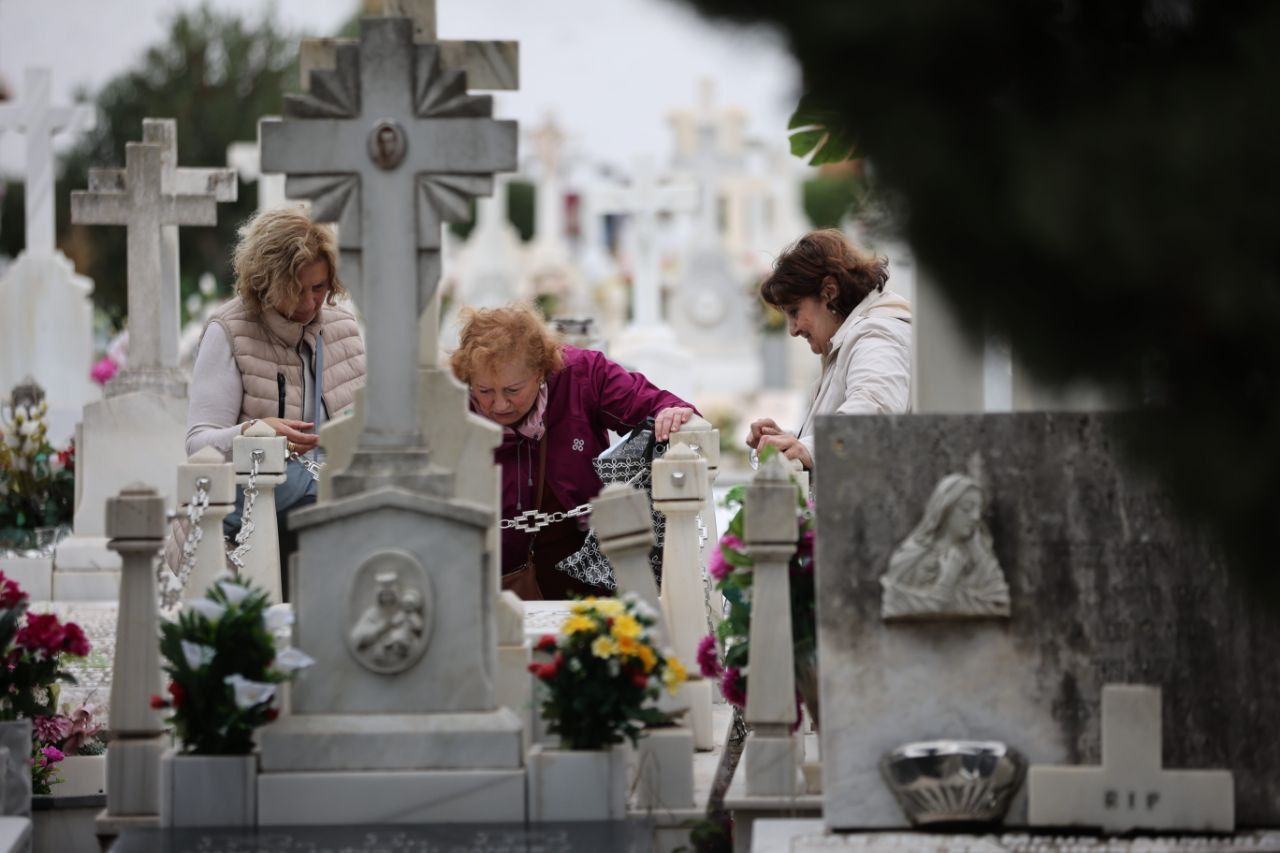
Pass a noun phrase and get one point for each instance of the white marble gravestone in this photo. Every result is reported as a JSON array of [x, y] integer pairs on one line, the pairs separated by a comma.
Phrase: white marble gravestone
[[552, 270], [1131, 789], [138, 431], [648, 344], [46, 327], [244, 158], [394, 587]]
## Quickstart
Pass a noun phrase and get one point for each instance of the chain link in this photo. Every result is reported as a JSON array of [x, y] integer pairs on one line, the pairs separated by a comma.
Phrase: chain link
[[532, 520], [236, 557], [195, 512], [311, 466]]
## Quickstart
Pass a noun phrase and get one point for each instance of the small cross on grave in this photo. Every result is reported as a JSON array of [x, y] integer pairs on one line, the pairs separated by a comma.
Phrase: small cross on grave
[[389, 145], [36, 118], [1131, 790], [645, 200], [135, 199], [219, 184]]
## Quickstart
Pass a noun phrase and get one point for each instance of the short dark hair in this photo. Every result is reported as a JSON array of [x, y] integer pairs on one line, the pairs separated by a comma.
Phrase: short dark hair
[[805, 267]]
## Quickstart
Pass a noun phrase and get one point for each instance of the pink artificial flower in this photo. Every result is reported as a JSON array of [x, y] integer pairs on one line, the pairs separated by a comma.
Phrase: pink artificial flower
[[719, 567], [52, 754], [708, 662], [74, 642], [734, 687], [104, 369], [82, 728], [43, 632], [50, 729]]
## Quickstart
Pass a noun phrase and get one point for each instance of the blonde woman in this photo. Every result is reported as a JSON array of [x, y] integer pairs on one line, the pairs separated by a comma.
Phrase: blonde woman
[[281, 352]]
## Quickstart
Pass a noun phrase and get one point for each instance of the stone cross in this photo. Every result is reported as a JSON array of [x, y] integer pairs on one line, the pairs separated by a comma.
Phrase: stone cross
[[243, 157], [645, 201], [1131, 790], [389, 145], [219, 184], [39, 121], [136, 199], [709, 145]]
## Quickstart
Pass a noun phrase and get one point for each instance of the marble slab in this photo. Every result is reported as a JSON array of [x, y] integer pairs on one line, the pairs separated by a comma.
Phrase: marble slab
[[1106, 585]]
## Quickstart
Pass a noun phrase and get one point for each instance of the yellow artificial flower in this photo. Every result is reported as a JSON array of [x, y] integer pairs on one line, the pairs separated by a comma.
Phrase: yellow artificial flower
[[628, 646], [583, 606], [647, 658], [603, 647], [578, 622], [610, 607], [674, 674], [626, 626]]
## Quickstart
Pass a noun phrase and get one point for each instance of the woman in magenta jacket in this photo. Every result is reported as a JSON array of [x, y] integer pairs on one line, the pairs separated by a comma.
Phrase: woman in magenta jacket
[[555, 403]]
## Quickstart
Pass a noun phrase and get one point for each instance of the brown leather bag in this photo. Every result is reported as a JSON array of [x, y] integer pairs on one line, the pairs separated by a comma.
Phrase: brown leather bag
[[524, 580]]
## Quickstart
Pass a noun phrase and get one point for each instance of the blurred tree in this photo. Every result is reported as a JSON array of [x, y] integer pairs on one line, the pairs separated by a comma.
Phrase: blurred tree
[[215, 75], [1097, 179]]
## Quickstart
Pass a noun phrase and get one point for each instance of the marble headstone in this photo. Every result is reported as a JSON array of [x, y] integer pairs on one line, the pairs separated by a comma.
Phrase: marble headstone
[[1106, 585]]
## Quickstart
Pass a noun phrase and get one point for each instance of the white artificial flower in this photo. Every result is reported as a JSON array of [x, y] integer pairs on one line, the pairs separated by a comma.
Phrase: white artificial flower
[[55, 464], [643, 608], [197, 654], [210, 610], [234, 592], [293, 659], [277, 617], [249, 693]]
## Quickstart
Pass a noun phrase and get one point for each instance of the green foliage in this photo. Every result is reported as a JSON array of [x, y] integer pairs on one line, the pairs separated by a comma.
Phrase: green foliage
[[820, 131], [215, 75], [1096, 181], [604, 674], [222, 663], [830, 198]]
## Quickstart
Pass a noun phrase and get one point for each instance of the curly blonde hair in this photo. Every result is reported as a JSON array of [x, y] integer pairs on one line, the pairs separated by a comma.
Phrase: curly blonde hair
[[274, 247], [493, 336]]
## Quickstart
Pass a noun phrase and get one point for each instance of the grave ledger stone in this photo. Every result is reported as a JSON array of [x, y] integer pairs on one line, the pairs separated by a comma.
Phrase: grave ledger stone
[[1105, 585]]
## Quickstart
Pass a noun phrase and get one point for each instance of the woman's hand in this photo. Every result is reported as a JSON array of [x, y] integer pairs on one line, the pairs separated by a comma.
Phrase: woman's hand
[[789, 446], [669, 420], [761, 428], [298, 441]]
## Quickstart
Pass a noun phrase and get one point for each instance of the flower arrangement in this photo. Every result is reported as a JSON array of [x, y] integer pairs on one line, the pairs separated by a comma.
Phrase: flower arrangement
[[605, 673], [224, 663], [37, 482], [57, 736], [725, 654]]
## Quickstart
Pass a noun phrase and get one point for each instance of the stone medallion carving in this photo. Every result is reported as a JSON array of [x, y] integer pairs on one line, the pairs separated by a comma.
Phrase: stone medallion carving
[[946, 568], [387, 144], [389, 612]]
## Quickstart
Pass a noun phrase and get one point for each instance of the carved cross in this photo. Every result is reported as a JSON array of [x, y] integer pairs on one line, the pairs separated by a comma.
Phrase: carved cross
[[39, 121], [135, 199], [389, 145]]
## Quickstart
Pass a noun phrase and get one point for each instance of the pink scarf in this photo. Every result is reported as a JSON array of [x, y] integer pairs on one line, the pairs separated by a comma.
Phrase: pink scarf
[[532, 425]]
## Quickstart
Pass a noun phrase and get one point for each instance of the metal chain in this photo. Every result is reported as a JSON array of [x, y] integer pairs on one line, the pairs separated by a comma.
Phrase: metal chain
[[532, 520], [195, 512], [311, 466], [236, 557]]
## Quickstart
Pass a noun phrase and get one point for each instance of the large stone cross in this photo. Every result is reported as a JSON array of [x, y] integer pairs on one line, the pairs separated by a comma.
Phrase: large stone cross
[[645, 200], [1131, 790], [389, 145], [708, 144], [135, 198], [39, 121], [218, 184]]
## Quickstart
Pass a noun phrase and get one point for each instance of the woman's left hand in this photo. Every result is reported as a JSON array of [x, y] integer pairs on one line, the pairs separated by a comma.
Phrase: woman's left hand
[[790, 447], [669, 420]]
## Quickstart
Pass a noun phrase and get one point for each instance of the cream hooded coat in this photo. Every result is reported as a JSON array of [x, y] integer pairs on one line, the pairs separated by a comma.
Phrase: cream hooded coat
[[867, 371]]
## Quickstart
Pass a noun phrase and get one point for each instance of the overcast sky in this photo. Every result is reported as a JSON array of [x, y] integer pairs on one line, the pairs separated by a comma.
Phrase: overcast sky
[[609, 70]]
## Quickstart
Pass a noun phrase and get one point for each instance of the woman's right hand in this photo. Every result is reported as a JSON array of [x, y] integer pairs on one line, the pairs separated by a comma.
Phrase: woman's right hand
[[299, 441], [761, 428]]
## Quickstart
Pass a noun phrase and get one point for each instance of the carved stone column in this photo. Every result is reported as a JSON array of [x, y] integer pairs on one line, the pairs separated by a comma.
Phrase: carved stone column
[[262, 560]]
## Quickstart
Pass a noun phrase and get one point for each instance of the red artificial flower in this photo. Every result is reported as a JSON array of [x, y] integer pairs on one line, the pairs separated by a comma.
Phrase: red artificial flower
[[11, 595], [708, 661], [159, 702], [179, 695], [547, 643], [270, 714], [74, 641], [43, 632], [733, 686], [639, 679]]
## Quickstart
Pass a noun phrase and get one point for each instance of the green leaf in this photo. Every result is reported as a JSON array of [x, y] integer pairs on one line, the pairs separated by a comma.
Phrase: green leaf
[[822, 135]]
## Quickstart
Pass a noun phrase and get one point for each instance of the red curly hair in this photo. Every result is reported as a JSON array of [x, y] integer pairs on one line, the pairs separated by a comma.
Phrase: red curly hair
[[498, 336]]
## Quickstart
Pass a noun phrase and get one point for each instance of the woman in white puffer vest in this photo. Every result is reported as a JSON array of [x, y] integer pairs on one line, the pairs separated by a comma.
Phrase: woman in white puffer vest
[[834, 297], [281, 352]]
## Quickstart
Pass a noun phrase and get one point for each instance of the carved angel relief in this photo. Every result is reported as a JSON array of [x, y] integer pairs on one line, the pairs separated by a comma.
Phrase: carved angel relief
[[946, 568], [389, 633]]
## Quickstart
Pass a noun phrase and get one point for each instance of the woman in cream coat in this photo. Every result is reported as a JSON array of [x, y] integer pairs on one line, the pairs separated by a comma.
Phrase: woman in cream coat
[[834, 297]]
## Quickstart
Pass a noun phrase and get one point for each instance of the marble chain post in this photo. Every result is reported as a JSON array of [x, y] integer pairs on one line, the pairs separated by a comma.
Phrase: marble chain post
[[260, 450], [208, 474], [703, 438], [769, 528]]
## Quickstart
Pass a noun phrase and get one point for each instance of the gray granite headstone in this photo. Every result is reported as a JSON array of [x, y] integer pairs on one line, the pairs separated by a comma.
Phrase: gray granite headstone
[[1106, 585]]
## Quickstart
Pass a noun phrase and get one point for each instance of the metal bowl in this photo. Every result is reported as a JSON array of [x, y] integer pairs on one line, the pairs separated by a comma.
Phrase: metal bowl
[[953, 781]]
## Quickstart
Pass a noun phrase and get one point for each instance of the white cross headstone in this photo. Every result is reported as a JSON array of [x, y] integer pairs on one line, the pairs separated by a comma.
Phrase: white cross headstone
[[389, 145], [551, 265], [1131, 789], [244, 158], [39, 121]]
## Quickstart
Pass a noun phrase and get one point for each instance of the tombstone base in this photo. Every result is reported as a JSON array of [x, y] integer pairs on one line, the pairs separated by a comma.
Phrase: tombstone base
[[771, 765], [85, 554], [168, 381], [86, 586], [404, 468], [33, 574], [133, 776], [403, 797]]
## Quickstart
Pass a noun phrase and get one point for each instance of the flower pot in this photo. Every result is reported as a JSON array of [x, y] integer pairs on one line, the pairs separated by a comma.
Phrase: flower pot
[[572, 785], [208, 790], [15, 767], [664, 769], [82, 776]]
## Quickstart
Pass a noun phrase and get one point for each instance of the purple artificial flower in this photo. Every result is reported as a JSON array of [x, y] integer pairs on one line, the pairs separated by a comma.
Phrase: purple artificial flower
[[50, 729], [733, 686], [708, 661], [52, 754]]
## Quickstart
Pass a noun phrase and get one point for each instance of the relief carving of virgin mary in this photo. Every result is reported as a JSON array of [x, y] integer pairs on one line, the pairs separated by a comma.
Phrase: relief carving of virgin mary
[[946, 568]]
